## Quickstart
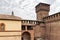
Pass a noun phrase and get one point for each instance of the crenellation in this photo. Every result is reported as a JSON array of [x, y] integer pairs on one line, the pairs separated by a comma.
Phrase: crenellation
[[53, 17], [42, 7]]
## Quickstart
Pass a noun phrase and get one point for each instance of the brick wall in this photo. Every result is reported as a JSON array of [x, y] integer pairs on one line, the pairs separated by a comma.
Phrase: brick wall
[[42, 10], [53, 27], [40, 30]]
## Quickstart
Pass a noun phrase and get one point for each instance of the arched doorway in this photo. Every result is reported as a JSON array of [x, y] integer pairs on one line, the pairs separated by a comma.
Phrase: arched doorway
[[26, 36]]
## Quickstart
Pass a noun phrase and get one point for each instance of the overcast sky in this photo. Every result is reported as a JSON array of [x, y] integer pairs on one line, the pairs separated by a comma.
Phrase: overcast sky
[[26, 8]]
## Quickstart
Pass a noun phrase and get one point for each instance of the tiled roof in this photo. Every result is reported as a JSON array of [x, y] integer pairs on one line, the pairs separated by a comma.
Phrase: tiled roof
[[9, 17]]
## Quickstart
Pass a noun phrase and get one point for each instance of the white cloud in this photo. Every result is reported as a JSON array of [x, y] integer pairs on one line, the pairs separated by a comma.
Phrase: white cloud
[[55, 7], [22, 8]]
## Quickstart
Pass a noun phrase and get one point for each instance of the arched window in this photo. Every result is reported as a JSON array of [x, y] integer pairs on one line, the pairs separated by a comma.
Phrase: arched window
[[2, 27]]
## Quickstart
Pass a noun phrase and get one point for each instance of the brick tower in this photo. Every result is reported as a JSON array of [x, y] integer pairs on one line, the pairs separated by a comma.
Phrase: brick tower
[[42, 10]]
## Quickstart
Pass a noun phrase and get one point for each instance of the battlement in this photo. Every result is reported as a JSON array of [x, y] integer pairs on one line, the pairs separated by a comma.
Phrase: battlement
[[42, 7], [42, 10], [43, 4], [53, 17]]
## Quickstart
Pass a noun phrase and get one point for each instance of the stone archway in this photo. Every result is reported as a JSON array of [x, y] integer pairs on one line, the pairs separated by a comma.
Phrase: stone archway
[[26, 36]]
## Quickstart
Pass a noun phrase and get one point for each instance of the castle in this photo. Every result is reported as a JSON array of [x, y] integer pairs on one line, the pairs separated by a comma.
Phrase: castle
[[46, 27]]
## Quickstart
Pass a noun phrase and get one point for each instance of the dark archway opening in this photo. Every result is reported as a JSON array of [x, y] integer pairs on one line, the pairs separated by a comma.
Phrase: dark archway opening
[[26, 36]]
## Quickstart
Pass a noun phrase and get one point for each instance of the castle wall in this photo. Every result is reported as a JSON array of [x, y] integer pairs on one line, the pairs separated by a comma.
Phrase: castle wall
[[39, 30], [53, 27]]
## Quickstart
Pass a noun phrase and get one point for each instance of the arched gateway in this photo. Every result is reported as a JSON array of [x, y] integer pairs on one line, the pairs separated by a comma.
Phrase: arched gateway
[[26, 36]]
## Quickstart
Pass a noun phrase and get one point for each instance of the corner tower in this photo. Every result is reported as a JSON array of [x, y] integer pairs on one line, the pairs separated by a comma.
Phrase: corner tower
[[42, 10]]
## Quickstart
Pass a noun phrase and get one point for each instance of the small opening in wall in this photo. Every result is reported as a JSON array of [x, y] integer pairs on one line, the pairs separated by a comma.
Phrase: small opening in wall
[[2, 27], [23, 27], [29, 28]]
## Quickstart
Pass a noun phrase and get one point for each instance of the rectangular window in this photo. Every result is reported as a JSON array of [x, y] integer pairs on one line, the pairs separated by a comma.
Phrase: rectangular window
[[23, 27], [29, 28]]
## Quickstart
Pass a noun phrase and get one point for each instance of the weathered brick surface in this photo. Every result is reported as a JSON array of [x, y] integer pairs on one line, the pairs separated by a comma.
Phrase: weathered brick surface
[[40, 31], [52, 29], [53, 26], [42, 10], [41, 14]]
